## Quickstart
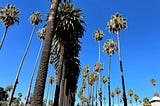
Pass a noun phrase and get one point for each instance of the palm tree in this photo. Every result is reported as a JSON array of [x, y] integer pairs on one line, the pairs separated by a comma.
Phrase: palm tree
[[9, 15], [112, 95], [98, 36], [38, 93], [8, 89], [117, 91], [35, 19], [136, 97], [19, 97], [104, 80], [154, 82], [51, 80], [146, 102], [100, 96], [130, 93], [98, 67], [41, 35], [109, 48], [68, 31], [115, 25]]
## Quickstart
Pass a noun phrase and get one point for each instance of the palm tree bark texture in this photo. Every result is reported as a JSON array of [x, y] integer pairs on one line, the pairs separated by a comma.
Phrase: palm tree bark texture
[[38, 93]]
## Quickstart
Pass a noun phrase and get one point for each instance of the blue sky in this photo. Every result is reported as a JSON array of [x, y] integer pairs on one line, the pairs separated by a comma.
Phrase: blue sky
[[139, 42]]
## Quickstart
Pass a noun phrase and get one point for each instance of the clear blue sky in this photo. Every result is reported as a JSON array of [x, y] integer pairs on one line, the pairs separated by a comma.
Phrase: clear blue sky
[[139, 42]]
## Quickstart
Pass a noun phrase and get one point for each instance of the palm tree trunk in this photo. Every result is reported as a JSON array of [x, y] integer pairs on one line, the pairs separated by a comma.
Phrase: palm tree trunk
[[113, 101], [53, 94], [118, 99], [61, 97], [50, 93], [33, 72], [99, 51], [21, 63], [58, 84], [121, 69], [65, 102], [109, 88], [38, 93], [97, 91], [47, 94], [3, 37]]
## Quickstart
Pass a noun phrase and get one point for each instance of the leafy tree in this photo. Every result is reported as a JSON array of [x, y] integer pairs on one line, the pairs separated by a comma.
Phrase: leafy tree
[[109, 48], [115, 25], [3, 94], [9, 15], [35, 19]]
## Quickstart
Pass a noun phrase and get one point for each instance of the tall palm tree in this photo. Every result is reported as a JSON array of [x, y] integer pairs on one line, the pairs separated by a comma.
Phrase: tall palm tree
[[98, 67], [109, 48], [130, 93], [136, 98], [41, 35], [38, 93], [118, 91], [68, 31], [51, 80], [19, 97], [8, 89], [113, 95], [98, 36], [35, 19], [115, 25], [153, 82], [9, 15], [100, 96], [104, 80]]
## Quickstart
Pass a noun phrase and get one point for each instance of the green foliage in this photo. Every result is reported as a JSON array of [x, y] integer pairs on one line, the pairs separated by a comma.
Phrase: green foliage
[[9, 15], [42, 33], [109, 47], [98, 35], [3, 94], [98, 67], [116, 23], [35, 18], [153, 82]]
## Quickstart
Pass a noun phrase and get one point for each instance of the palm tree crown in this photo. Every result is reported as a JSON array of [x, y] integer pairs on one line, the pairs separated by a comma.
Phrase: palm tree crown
[[9, 15], [104, 79], [153, 82], [130, 92], [98, 35], [109, 47], [35, 18], [42, 33], [116, 23]]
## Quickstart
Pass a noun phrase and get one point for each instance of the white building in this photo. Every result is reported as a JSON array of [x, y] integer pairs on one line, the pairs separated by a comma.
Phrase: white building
[[155, 101]]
